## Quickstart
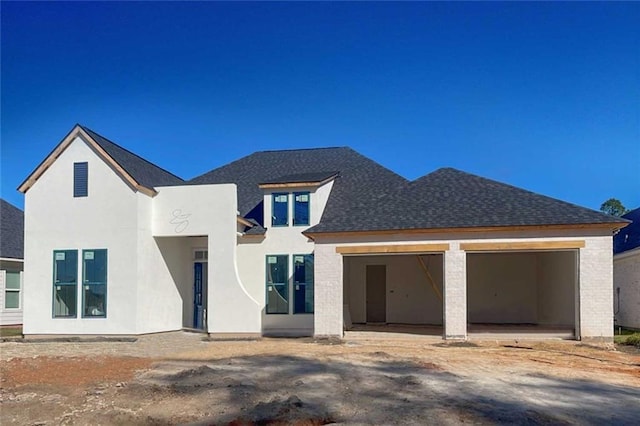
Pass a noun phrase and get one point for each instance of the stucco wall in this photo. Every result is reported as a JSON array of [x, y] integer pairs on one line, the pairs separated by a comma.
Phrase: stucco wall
[[280, 240], [198, 210], [55, 220], [410, 296], [626, 276]]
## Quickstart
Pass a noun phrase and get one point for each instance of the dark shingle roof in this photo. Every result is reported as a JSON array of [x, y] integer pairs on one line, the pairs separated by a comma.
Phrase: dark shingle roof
[[301, 177], [628, 238], [143, 171], [360, 181], [11, 231], [449, 198]]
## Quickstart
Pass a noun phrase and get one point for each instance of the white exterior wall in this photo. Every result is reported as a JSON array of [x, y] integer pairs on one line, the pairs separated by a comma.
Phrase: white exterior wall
[[595, 277], [10, 316], [55, 220], [199, 210], [626, 276], [280, 240]]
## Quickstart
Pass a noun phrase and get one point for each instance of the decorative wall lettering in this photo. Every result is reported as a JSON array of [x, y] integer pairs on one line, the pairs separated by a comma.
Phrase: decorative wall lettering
[[180, 220]]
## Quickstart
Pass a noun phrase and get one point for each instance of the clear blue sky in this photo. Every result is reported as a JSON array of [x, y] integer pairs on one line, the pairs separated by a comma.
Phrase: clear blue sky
[[545, 96]]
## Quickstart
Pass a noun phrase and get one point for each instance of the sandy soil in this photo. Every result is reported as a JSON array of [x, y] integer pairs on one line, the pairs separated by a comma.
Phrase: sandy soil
[[299, 381]]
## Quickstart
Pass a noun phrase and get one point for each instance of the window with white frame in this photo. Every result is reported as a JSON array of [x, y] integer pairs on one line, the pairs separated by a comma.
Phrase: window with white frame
[[12, 290]]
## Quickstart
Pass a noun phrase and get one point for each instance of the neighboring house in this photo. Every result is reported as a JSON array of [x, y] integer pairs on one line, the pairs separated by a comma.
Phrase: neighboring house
[[11, 263], [292, 242], [626, 272]]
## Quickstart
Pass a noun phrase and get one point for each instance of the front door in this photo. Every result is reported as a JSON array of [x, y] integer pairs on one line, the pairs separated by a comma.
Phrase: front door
[[200, 295], [376, 293]]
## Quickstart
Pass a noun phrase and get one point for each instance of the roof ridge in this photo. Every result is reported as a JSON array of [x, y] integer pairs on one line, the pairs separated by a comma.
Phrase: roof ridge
[[85, 128], [302, 149]]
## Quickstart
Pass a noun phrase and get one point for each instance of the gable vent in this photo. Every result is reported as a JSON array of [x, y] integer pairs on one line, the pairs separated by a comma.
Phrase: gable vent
[[80, 179]]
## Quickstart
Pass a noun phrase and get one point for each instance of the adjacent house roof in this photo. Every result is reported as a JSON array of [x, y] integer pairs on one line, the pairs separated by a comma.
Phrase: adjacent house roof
[[11, 231], [628, 238], [137, 172], [449, 198], [360, 179], [143, 171]]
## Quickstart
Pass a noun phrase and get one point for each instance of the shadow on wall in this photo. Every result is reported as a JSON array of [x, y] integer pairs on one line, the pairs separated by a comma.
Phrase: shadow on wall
[[288, 389]]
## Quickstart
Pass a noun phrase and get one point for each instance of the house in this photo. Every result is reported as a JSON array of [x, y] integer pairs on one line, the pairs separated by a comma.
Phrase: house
[[300, 242], [626, 272], [11, 262]]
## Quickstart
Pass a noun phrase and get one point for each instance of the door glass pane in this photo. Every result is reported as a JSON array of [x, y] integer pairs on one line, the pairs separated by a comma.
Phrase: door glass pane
[[277, 284], [12, 299]]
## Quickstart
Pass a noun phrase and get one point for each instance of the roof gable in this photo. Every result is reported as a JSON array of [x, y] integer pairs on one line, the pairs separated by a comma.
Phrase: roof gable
[[137, 172], [11, 230], [628, 238]]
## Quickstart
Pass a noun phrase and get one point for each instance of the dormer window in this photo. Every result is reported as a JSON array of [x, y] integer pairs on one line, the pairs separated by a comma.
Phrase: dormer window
[[301, 208], [280, 209]]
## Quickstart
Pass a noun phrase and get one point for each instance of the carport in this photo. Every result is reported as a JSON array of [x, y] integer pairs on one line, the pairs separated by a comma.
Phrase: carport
[[516, 290], [393, 289]]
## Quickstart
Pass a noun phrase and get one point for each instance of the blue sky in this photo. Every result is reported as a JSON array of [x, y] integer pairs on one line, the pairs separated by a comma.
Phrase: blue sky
[[545, 96]]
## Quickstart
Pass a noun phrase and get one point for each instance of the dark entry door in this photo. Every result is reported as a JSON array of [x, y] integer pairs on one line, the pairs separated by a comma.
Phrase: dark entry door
[[376, 293], [199, 295]]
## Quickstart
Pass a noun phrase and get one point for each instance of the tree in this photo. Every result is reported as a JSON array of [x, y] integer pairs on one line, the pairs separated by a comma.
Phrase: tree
[[614, 207]]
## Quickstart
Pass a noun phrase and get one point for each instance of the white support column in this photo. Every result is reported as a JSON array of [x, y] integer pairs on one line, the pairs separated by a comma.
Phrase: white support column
[[455, 293], [596, 290], [328, 295]]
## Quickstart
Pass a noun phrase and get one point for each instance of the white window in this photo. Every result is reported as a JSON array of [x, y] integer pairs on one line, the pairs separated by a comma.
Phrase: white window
[[12, 290]]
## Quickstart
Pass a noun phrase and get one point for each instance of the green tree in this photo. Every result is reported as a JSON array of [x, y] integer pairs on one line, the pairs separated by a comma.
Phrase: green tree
[[614, 207]]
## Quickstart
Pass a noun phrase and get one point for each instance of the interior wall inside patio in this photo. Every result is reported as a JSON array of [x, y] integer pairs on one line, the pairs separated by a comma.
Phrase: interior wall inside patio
[[522, 288], [178, 256], [410, 297]]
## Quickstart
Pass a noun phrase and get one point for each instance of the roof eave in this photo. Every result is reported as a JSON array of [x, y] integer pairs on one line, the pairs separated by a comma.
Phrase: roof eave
[[612, 226]]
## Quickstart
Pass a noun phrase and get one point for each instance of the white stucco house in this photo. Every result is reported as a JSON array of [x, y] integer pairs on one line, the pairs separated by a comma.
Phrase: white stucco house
[[626, 272], [11, 263], [300, 242]]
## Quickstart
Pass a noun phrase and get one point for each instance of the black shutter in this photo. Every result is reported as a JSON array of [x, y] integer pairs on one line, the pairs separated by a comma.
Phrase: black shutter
[[80, 178]]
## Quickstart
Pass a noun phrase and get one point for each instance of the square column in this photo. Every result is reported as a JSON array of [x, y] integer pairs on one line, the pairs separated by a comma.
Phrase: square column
[[327, 317], [596, 290], [455, 293]]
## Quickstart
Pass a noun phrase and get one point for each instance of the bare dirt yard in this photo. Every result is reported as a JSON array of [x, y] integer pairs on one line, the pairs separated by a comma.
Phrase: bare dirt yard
[[177, 378]]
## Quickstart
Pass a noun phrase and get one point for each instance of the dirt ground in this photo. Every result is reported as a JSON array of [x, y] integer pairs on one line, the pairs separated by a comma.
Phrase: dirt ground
[[177, 378]]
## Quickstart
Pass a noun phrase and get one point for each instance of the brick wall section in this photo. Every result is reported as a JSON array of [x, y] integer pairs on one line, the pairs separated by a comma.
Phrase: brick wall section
[[596, 297], [626, 275], [328, 292], [455, 293]]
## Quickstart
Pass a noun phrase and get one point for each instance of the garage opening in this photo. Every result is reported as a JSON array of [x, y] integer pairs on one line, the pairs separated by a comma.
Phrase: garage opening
[[522, 293], [395, 293]]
